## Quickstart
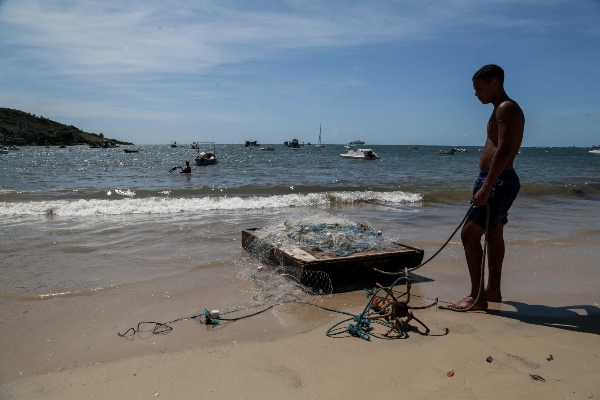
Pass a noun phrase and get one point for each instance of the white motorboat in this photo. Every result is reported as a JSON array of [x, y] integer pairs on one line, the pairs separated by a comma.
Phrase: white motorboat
[[206, 158], [360, 154], [596, 152]]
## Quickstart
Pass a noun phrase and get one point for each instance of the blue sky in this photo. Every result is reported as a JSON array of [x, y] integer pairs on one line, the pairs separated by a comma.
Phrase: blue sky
[[386, 72]]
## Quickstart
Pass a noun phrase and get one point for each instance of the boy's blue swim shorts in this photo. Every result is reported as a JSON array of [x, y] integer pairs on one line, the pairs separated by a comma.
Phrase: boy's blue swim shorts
[[503, 194]]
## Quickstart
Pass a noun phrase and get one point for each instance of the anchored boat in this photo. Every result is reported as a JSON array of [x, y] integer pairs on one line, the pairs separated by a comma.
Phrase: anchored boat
[[360, 154], [206, 157], [320, 144]]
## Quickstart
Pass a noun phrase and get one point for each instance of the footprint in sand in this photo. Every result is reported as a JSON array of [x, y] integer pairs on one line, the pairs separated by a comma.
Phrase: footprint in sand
[[461, 328], [285, 375], [526, 362], [218, 354]]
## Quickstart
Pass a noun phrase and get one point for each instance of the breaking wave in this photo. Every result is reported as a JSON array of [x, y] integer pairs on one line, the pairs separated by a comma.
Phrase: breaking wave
[[169, 205]]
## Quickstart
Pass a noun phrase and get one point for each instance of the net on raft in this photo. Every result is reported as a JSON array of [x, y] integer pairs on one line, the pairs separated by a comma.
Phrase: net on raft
[[318, 233]]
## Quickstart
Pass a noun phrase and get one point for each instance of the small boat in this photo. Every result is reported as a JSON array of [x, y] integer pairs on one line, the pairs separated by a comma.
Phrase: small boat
[[174, 144], [268, 148], [356, 142], [251, 143], [206, 158], [320, 144], [131, 150], [62, 146], [457, 150], [449, 152], [4, 150], [596, 152], [109, 145], [293, 144], [361, 154]]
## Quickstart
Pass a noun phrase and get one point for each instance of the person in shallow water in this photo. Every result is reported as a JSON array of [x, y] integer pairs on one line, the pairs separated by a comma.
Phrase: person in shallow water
[[497, 186], [187, 169]]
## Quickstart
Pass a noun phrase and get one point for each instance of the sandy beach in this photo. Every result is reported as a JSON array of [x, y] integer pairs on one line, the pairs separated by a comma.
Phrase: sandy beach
[[547, 327]]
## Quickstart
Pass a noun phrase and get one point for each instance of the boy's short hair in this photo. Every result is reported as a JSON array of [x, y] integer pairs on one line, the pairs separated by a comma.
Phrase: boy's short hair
[[489, 72]]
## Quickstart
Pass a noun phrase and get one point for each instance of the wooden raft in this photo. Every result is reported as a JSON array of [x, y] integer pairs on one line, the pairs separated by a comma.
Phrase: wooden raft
[[346, 273]]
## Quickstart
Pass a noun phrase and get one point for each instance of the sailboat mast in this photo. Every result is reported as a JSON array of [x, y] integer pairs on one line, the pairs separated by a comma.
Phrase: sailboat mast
[[319, 133]]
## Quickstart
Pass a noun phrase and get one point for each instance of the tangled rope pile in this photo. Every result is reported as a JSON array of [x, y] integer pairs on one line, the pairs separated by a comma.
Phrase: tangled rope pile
[[362, 327]]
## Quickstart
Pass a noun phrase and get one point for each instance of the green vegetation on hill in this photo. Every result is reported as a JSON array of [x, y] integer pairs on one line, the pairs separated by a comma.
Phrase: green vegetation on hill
[[21, 128]]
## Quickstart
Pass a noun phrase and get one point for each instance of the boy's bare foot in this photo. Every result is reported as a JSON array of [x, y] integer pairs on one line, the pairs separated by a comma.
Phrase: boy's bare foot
[[467, 302]]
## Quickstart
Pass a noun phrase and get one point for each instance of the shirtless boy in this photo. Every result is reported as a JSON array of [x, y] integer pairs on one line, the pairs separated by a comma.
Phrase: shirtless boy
[[497, 185]]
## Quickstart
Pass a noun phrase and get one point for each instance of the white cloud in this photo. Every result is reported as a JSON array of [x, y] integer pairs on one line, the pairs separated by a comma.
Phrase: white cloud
[[178, 36]]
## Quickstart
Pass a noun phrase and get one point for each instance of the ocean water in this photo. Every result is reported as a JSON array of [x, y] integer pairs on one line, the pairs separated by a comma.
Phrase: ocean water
[[79, 220], [93, 241]]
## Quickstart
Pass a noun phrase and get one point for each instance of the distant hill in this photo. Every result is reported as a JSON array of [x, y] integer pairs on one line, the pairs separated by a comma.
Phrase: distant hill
[[21, 128]]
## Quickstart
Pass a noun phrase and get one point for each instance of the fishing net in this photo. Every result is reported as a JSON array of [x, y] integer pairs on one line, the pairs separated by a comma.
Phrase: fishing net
[[324, 233], [273, 281], [320, 233]]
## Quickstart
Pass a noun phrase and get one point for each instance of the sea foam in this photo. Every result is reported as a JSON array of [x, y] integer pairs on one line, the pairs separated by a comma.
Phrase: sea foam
[[168, 205]]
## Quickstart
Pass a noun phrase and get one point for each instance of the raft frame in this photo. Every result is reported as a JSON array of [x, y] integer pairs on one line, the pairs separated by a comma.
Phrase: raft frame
[[346, 273]]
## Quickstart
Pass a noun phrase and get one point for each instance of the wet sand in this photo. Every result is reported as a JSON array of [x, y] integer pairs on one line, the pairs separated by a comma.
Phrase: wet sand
[[68, 347]]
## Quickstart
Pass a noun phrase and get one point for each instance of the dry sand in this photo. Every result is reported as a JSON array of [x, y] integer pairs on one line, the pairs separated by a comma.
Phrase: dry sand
[[313, 366], [548, 327]]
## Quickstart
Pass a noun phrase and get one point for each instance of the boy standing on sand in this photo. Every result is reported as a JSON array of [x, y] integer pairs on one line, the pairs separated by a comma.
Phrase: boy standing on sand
[[497, 185]]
